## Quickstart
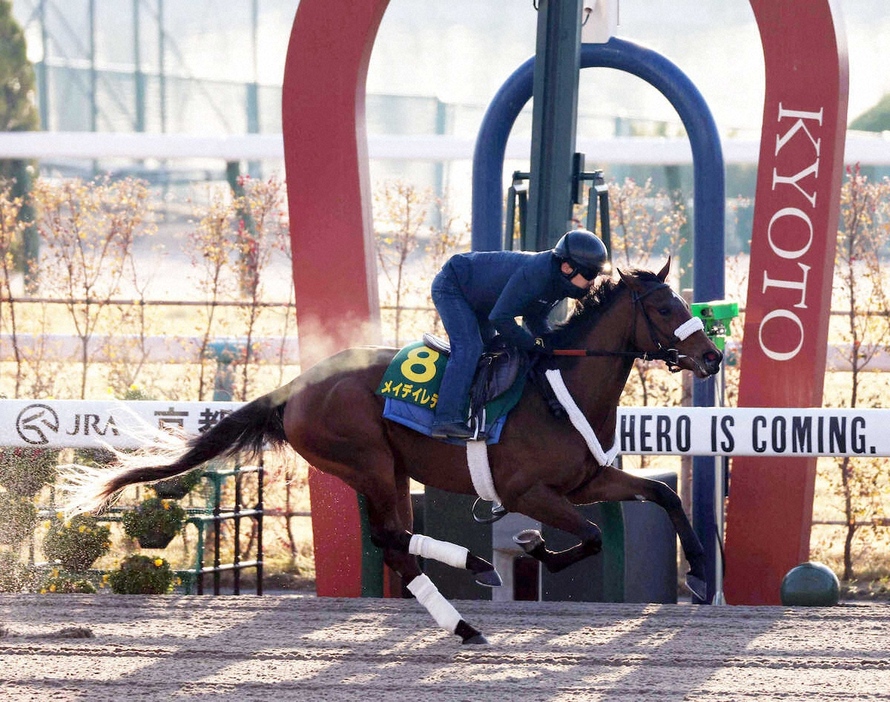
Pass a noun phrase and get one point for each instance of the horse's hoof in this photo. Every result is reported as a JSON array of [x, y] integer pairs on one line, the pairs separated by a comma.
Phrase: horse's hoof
[[528, 539], [489, 578], [697, 586], [477, 640]]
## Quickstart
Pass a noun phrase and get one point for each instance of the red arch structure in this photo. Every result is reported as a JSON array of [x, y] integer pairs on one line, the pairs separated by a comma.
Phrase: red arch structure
[[793, 245], [326, 162], [792, 258]]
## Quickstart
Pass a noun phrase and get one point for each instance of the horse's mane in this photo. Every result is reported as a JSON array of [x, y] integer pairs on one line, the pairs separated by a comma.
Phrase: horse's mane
[[589, 309]]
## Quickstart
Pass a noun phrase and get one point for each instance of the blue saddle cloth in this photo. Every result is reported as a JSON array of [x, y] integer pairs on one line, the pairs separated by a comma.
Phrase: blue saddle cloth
[[411, 385], [421, 419]]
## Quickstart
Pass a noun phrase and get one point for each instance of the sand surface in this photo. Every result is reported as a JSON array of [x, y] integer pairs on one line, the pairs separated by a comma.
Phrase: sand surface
[[293, 647]]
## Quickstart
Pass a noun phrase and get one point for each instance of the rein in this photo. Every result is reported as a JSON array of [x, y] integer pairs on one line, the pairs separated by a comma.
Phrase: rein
[[670, 356]]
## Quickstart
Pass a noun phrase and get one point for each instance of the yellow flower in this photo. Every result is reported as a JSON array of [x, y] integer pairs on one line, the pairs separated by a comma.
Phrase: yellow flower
[[82, 528], [52, 588], [159, 562]]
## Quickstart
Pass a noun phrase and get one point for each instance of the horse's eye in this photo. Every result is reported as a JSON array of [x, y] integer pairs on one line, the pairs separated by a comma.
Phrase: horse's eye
[[664, 311]]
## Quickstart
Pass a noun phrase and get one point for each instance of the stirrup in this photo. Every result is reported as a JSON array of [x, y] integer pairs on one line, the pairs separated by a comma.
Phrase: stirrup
[[498, 511]]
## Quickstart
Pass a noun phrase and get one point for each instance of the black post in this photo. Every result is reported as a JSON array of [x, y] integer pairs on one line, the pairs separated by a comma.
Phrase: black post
[[554, 116], [236, 540], [260, 477]]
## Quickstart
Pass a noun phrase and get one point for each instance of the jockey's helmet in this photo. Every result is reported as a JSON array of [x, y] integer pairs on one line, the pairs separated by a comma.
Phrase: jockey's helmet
[[584, 252]]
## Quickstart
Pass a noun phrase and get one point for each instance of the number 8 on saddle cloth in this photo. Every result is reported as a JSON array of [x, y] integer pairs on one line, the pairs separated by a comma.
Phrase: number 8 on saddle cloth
[[411, 385]]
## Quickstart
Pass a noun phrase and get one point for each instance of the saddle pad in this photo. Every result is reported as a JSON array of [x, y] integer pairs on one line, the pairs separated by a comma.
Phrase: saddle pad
[[414, 375], [421, 419], [411, 386]]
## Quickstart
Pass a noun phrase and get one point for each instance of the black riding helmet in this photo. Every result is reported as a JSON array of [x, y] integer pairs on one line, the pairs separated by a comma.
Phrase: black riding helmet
[[584, 252]]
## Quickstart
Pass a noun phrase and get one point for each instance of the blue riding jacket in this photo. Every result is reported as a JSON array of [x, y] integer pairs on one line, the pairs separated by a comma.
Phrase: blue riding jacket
[[502, 285], [478, 292]]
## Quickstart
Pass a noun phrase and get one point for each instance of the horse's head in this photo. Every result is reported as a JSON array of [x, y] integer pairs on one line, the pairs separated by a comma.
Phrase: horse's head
[[663, 321]]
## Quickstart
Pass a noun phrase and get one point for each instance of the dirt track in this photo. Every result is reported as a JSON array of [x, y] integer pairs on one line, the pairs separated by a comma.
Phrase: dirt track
[[304, 648]]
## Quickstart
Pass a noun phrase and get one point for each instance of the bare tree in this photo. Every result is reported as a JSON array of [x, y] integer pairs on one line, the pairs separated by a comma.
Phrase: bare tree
[[860, 286], [89, 229]]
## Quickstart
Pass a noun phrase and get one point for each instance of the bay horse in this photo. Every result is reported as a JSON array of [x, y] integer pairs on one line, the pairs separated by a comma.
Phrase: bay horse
[[542, 466]]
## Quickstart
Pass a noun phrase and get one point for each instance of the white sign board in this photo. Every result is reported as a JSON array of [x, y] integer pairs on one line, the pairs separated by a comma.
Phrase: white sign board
[[693, 431], [747, 431], [92, 424]]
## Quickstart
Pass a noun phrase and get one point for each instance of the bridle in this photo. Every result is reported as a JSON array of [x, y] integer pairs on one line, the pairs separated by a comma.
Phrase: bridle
[[669, 355]]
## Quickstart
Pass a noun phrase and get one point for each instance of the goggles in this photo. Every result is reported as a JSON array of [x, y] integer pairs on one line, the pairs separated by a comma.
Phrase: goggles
[[586, 273]]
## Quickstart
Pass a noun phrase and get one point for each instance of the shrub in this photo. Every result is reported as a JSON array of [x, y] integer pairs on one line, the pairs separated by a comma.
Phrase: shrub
[[14, 576], [154, 522], [76, 543], [63, 584], [17, 518], [178, 486], [23, 471], [142, 575]]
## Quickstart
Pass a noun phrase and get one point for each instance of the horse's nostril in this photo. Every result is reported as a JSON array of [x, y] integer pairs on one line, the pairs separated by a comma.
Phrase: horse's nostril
[[713, 357]]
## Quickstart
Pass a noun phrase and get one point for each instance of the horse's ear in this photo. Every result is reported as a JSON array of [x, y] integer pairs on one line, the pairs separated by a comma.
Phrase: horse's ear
[[663, 273], [630, 281]]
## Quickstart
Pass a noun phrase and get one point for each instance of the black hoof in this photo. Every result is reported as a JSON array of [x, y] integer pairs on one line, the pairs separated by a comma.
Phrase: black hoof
[[528, 540], [477, 640], [697, 586], [489, 578], [469, 635]]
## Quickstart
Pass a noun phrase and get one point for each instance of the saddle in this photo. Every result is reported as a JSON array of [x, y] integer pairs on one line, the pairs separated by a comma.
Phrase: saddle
[[498, 368]]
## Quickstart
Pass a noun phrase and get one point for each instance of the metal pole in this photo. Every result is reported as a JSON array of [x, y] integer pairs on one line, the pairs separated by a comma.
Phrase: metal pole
[[236, 539], [253, 88], [138, 74], [162, 78], [94, 109], [43, 70], [554, 116], [260, 477]]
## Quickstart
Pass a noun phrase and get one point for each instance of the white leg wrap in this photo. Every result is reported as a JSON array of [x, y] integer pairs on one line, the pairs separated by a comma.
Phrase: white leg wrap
[[442, 551], [429, 596]]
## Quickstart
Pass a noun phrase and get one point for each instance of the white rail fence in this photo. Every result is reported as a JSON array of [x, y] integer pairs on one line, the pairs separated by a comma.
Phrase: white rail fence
[[103, 348], [864, 148]]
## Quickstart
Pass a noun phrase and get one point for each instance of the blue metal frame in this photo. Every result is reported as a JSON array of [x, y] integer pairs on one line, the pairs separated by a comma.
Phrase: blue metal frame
[[708, 214]]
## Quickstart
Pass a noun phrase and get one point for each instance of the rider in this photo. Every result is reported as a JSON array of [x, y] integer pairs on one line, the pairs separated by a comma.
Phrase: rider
[[479, 293]]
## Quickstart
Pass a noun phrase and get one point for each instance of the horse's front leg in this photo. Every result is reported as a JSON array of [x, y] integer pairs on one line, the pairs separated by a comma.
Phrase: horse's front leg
[[547, 506], [613, 485]]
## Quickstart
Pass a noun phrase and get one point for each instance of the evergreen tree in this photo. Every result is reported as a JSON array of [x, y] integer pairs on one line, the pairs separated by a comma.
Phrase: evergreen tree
[[18, 113], [874, 119]]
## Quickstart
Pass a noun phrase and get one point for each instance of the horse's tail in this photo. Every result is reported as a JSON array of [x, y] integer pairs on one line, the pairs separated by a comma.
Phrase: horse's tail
[[246, 430]]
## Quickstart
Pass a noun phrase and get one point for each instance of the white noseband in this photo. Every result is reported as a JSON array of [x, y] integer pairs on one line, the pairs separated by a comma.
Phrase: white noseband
[[689, 327]]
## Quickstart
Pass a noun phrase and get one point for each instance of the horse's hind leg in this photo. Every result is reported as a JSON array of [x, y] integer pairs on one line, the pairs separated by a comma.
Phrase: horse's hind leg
[[426, 547], [455, 556], [545, 505], [395, 542], [427, 594]]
